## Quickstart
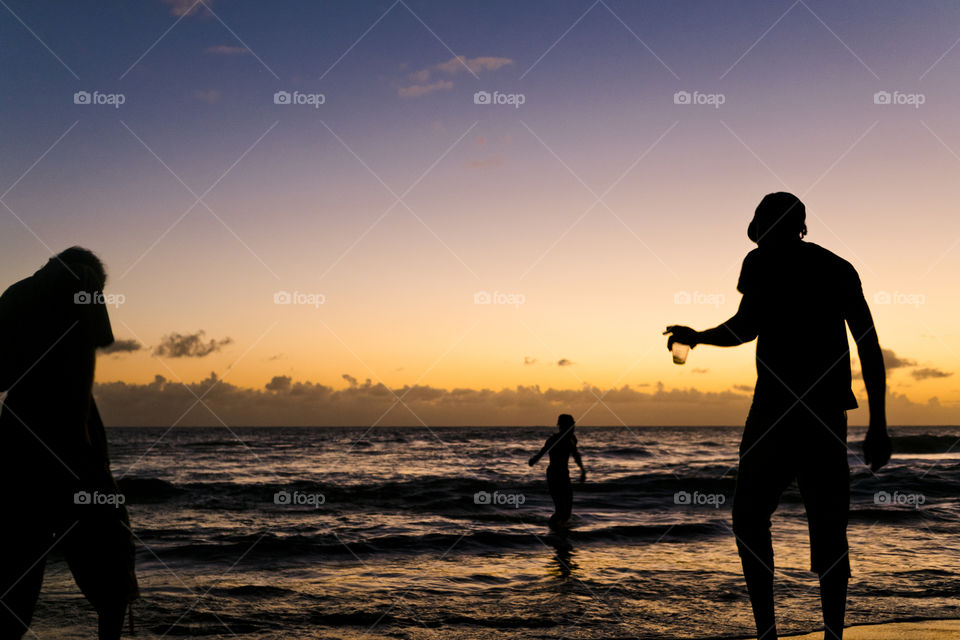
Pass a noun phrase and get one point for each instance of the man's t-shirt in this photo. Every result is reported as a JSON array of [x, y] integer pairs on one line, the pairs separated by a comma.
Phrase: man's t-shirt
[[798, 297], [48, 341]]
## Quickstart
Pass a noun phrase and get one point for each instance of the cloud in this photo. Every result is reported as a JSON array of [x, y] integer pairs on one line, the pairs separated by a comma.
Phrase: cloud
[[188, 7], [284, 401], [699, 370], [226, 50], [418, 90], [210, 97], [563, 362], [122, 346], [420, 81], [746, 388], [191, 345], [279, 383], [491, 161], [893, 361], [926, 373], [529, 360], [457, 64]]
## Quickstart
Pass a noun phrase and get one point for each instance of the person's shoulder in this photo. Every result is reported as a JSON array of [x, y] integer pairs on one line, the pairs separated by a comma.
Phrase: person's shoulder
[[829, 259], [752, 256], [749, 270], [18, 290]]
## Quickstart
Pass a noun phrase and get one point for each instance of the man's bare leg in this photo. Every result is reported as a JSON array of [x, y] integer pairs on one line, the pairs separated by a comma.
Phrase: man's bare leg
[[760, 587], [833, 599], [110, 624]]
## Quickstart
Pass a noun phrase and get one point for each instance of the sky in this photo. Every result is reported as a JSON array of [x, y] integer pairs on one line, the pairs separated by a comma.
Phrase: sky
[[474, 213]]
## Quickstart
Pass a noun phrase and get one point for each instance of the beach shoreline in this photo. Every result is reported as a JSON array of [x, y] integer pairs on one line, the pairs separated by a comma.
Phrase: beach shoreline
[[912, 630]]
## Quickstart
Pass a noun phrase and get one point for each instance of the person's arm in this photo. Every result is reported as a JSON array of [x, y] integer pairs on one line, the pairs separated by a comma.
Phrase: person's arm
[[876, 446], [741, 328], [535, 458], [576, 458]]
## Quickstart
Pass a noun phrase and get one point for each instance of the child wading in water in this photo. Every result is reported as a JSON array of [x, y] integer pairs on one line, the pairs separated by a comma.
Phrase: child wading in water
[[561, 446]]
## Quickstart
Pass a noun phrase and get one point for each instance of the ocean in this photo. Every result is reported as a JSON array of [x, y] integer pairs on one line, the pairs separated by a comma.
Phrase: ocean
[[441, 533]]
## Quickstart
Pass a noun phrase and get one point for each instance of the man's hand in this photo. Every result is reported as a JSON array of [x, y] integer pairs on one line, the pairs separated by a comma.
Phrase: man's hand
[[533, 460], [583, 475], [877, 447], [681, 334]]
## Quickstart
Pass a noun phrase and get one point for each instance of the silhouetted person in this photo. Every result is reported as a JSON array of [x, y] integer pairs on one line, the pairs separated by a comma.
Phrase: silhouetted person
[[797, 297], [54, 465], [561, 446]]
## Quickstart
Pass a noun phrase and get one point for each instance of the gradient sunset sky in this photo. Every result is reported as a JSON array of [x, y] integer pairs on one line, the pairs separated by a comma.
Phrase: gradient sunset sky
[[596, 212]]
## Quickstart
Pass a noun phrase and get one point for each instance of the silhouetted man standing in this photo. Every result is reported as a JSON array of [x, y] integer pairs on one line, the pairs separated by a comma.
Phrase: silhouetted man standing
[[797, 297], [54, 466]]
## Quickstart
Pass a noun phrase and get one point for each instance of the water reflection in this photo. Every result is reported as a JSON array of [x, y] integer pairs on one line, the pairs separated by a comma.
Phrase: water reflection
[[563, 564]]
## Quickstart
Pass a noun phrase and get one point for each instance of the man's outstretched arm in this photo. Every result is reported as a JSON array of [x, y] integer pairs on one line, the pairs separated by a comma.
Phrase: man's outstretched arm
[[876, 446], [741, 328]]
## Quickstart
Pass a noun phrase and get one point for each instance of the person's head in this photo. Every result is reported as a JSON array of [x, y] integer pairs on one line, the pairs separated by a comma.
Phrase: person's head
[[84, 264], [780, 217], [565, 421]]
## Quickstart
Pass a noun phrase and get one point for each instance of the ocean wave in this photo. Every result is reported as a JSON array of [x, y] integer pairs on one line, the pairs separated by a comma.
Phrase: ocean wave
[[440, 493], [267, 545], [926, 443]]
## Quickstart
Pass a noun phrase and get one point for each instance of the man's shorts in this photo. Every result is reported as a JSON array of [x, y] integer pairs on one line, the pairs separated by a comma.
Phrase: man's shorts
[[807, 447]]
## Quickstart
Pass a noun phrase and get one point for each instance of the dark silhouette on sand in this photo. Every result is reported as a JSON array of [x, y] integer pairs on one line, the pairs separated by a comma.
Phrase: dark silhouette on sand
[[797, 297], [54, 464], [561, 446]]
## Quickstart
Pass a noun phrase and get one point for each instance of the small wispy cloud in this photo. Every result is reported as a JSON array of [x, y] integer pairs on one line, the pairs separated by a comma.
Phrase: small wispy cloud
[[564, 362], [425, 81], [122, 346], [485, 163], [529, 360], [226, 50], [181, 8], [927, 373], [418, 90], [190, 345], [483, 63], [892, 361], [210, 96]]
